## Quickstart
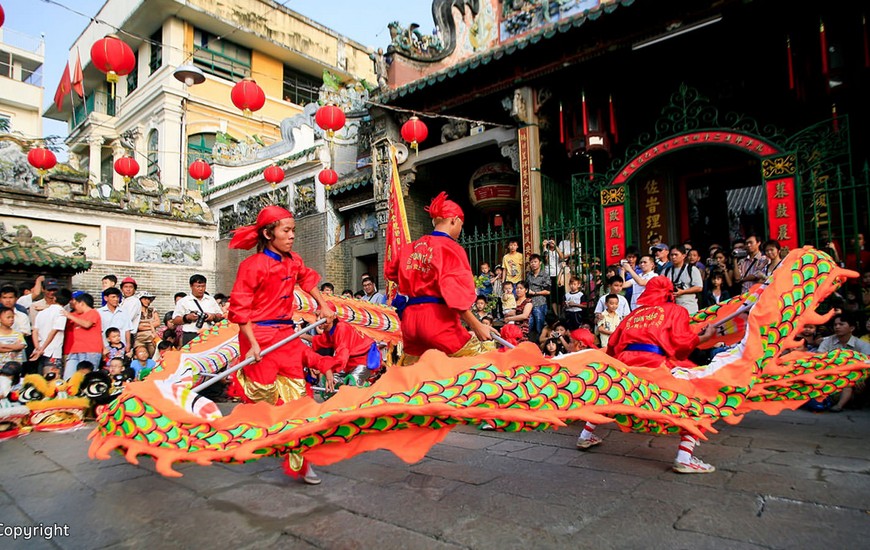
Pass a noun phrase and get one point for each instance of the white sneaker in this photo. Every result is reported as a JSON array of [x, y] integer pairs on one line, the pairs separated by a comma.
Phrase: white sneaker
[[312, 479], [694, 466], [584, 443]]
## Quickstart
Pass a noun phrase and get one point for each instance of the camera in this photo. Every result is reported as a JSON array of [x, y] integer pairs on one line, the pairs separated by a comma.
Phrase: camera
[[739, 253], [200, 319], [711, 262]]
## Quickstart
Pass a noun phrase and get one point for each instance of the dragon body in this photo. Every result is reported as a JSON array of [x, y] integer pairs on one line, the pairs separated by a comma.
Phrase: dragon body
[[410, 409]]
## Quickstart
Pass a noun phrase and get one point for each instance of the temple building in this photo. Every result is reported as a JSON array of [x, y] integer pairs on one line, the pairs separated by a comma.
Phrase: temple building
[[608, 123]]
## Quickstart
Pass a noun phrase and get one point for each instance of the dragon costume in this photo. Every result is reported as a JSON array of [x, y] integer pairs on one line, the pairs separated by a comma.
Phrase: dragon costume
[[411, 409]]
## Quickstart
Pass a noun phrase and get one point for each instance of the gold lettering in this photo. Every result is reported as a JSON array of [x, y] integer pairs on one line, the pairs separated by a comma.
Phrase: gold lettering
[[780, 191], [781, 211], [653, 221], [613, 215], [782, 234]]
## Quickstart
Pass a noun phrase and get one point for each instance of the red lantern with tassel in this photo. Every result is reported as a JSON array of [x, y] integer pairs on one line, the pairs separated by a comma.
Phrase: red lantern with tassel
[[42, 159], [328, 177], [248, 96], [199, 170], [114, 57], [128, 167], [273, 174], [330, 118], [415, 132]]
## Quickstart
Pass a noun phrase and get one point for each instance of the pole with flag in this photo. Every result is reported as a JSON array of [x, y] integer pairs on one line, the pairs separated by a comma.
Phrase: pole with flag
[[397, 223], [63, 88]]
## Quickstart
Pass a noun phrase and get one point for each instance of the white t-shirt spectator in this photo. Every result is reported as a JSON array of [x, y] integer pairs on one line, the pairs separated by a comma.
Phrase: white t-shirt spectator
[[188, 305], [47, 320], [638, 289], [133, 307], [117, 319], [574, 298]]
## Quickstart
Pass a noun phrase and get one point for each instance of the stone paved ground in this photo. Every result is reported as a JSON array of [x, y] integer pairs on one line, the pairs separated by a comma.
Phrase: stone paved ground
[[798, 480]]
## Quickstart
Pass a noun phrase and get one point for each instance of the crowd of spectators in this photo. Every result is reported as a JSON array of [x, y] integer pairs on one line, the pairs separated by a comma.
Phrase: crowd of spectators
[[544, 290]]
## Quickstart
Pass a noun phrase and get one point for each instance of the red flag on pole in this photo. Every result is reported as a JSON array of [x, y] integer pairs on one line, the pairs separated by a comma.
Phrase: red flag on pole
[[613, 122], [78, 77], [63, 88], [397, 223], [823, 42]]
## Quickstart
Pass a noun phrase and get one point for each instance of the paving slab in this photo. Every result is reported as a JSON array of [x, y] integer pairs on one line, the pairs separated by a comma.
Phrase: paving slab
[[797, 480]]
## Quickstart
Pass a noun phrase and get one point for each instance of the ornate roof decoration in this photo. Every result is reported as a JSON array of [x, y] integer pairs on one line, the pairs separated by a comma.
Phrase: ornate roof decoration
[[411, 43], [19, 249], [505, 49], [355, 181]]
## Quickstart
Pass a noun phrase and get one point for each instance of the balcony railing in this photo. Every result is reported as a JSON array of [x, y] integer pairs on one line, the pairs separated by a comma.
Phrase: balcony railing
[[95, 102], [22, 41]]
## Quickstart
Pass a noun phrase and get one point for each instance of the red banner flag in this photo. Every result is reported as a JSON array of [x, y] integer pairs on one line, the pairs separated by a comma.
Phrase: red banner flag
[[63, 88], [78, 78], [397, 223], [613, 122]]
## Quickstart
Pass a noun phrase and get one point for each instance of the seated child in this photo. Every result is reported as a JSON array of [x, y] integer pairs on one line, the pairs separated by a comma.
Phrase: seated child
[[116, 347], [119, 374], [508, 300], [552, 347], [142, 364], [12, 342], [85, 366]]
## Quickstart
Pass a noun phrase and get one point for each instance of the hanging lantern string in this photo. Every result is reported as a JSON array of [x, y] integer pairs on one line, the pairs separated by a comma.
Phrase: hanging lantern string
[[188, 54], [269, 76], [426, 114]]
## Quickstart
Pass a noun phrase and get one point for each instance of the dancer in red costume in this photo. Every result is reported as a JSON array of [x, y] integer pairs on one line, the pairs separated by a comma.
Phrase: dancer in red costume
[[434, 273], [652, 340], [354, 354], [262, 305]]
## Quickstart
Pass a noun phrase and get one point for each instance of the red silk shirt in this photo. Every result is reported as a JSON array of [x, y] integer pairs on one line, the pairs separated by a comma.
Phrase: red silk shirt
[[665, 326], [434, 266], [347, 343], [264, 292]]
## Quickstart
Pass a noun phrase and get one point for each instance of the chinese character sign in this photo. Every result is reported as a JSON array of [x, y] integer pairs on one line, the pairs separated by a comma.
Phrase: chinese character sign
[[782, 211], [652, 211], [614, 234]]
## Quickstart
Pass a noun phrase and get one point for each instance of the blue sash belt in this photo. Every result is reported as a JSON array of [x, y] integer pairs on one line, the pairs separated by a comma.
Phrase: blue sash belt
[[275, 322], [649, 348], [400, 302]]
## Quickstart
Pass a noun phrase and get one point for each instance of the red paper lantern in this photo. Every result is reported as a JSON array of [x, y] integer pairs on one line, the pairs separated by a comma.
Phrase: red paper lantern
[[248, 96], [330, 118], [42, 159], [127, 166], [2, 16], [328, 177], [415, 132], [273, 175], [113, 56], [199, 170]]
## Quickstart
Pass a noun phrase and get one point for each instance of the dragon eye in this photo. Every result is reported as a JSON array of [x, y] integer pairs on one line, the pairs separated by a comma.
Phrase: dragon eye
[[95, 389], [30, 393]]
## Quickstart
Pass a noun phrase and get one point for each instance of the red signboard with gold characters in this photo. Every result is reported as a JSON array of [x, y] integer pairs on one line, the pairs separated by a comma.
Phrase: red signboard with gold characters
[[613, 206], [782, 214]]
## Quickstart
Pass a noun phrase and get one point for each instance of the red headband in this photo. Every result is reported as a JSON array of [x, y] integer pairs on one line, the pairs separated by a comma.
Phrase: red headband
[[442, 207], [246, 236]]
